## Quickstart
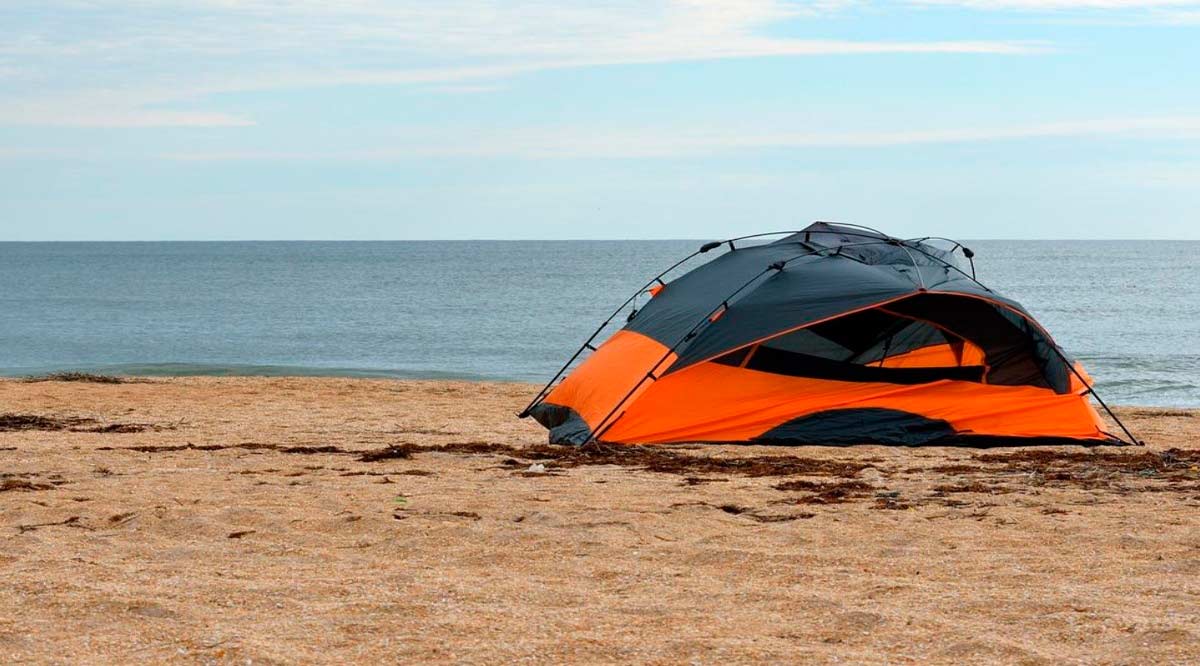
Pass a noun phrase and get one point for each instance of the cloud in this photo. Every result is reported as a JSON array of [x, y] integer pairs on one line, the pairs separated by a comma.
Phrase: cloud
[[1058, 5], [1092, 12], [135, 54], [1086, 12], [675, 142], [92, 112], [1190, 17]]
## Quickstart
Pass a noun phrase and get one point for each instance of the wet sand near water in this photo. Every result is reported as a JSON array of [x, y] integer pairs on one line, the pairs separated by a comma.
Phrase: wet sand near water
[[303, 520]]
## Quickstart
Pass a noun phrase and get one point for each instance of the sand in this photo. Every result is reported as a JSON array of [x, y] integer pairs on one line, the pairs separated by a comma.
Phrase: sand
[[219, 520]]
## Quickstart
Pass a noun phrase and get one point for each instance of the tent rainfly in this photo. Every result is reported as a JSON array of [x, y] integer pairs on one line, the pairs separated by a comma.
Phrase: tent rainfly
[[836, 334]]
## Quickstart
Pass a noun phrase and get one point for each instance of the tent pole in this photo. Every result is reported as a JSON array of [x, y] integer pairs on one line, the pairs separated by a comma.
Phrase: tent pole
[[952, 266], [1090, 389], [588, 343], [1133, 440], [658, 278], [604, 424]]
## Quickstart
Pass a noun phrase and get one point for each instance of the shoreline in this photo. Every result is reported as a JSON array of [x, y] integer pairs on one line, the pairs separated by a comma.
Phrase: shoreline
[[165, 371], [236, 370], [329, 520]]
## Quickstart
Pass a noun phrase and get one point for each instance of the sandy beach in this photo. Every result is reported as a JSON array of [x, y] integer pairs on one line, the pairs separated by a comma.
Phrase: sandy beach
[[288, 520]]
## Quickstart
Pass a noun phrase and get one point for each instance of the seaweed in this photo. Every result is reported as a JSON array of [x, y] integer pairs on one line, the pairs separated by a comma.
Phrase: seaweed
[[80, 377], [646, 458], [835, 492], [19, 422]]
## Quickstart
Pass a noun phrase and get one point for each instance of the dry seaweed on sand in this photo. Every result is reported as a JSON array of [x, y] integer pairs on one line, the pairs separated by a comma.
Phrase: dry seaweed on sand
[[16, 422], [1147, 412], [646, 458], [1095, 468], [835, 492], [971, 486], [73, 521], [248, 446], [80, 377], [7, 485], [19, 422]]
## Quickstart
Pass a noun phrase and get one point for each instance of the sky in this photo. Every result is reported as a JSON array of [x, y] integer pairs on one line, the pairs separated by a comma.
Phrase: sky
[[375, 119]]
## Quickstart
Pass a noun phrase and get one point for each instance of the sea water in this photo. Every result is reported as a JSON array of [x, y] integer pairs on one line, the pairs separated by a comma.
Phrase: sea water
[[508, 310]]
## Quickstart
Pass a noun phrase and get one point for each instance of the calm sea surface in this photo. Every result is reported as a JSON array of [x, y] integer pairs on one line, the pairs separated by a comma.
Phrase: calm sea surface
[[508, 310]]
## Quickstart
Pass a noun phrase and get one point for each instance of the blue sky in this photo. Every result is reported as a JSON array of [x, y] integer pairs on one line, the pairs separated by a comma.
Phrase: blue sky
[[373, 119]]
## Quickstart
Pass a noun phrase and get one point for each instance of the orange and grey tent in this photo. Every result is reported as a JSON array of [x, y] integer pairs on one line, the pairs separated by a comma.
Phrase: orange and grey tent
[[836, 334]]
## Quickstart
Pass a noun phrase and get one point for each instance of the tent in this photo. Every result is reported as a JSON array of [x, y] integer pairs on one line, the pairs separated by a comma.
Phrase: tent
[[835, 334]]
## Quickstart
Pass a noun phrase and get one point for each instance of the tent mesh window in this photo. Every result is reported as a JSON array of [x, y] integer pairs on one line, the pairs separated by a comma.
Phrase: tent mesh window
[[875, 345]]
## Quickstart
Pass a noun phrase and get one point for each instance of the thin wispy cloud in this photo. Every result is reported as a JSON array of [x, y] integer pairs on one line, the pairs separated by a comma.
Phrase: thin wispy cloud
[[109, 109], [676, 142], [1057, 5], [1092, 12], [135, 62]]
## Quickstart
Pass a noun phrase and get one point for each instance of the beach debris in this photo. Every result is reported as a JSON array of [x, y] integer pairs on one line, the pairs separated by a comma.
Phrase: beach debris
[[827, 492], [401, 501], [648, 458], [80, 377], [239, 534], [1155, 412], [15, 422], [73, 521], [118, 519], [248, 446], [734, 509], [538, 469], [398, 452], [891, 501], [404, 515], [121, 428], [19, 422], [696, 481], [7, 485], [423, 431], [971, 486]]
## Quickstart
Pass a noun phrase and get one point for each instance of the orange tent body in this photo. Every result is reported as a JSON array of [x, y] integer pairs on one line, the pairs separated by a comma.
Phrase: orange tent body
[[830, 336]]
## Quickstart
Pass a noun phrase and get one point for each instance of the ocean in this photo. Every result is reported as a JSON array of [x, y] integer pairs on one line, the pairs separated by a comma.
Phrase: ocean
[[508, 310]]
